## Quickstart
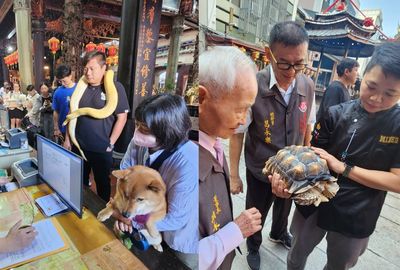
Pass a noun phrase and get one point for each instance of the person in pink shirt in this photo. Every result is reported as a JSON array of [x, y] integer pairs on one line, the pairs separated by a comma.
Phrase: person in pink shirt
[[227, 90]]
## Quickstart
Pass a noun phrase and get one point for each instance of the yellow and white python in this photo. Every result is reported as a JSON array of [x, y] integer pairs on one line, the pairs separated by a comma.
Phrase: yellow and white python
[[75, 111]]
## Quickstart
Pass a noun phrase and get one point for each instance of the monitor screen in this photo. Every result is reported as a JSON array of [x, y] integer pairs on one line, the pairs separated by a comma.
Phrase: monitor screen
[[62, 170]]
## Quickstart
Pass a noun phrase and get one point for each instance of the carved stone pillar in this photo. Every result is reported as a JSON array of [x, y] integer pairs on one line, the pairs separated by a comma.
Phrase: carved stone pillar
[[173, 53], [4, 70], [38, 28], [22, 10], [73, 33]]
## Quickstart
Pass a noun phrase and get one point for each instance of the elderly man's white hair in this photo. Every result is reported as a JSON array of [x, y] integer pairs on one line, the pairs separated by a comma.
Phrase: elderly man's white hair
[[219, 67]]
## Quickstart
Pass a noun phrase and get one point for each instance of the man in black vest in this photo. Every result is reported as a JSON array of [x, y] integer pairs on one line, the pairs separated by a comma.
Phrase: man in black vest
[[227, 89], [283, 114]]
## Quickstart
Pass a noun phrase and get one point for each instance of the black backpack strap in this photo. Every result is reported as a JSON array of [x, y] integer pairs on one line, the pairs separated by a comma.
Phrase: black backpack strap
[[163, 156]]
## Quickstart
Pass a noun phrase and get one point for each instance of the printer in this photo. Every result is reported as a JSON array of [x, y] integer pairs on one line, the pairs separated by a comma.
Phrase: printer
[[16, 138], [25, 171]]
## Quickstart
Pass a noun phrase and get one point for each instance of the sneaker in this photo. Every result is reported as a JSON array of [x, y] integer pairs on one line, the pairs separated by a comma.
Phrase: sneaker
[[253, 259], [285, 240]]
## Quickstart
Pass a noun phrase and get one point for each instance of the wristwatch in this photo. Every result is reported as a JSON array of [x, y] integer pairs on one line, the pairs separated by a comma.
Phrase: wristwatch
[[111, 146], [347, 170]]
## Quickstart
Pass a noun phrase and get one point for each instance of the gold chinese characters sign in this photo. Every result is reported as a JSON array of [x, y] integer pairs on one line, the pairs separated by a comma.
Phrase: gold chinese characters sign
[[149, 26]]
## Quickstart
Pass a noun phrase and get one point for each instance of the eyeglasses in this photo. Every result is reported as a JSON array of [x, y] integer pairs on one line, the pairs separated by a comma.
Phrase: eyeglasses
[[286, 66]]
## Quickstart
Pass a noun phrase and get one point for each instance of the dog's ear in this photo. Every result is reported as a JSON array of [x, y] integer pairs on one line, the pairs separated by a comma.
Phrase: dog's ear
[[121, 174], [156, 186]]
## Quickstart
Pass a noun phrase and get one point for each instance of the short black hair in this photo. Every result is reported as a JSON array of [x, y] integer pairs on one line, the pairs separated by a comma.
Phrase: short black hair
[[288, 33], [167, 118], [30, 88], [101, 57], [63, 71], [386, 56], [346, 63]]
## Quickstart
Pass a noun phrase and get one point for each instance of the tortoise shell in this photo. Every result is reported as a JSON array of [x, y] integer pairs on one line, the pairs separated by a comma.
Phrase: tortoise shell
[[305, 174]]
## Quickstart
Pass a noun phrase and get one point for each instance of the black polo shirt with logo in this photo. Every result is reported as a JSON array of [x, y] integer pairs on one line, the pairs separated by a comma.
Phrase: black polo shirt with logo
[[94, 134], [375, 145]]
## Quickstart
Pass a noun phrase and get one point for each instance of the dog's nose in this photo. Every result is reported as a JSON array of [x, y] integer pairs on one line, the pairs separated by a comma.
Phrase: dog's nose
[[125, 214]]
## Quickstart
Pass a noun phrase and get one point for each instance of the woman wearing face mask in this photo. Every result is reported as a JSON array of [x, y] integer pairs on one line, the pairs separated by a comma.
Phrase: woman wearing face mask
[[162, 126]]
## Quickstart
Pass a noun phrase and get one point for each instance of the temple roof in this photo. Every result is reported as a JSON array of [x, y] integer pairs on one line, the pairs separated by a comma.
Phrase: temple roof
[[340, 33]]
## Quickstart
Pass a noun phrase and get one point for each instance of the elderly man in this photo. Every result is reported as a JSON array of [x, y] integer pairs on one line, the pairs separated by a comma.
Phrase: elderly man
[[227, 89], [96, 137], [283, 114]]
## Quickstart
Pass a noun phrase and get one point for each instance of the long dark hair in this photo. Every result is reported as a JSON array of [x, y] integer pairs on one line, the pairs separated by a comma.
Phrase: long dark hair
[[167, 118]]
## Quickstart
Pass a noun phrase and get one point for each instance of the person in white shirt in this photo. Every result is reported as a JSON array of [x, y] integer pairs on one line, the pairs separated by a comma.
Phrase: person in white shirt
[[15, 105], [33, 105]]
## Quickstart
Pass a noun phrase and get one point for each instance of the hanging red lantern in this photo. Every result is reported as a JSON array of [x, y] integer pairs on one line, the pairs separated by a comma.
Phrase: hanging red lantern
[[54, 45], [13, 59], [101, 48], [90, 47], [255, 55], [115, 60], [341, 6], [112, 51], [368, 22], [109, 61], [6, 60]]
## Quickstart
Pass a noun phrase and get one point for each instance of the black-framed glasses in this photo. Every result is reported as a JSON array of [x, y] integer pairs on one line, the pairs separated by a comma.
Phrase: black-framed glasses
[[286, 66]]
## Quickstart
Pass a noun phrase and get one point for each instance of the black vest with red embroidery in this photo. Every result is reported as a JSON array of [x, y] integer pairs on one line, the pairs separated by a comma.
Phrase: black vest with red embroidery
[[276, 124]]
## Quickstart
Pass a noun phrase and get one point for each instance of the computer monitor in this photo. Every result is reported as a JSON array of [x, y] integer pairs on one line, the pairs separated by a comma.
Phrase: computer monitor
[[62, 170]]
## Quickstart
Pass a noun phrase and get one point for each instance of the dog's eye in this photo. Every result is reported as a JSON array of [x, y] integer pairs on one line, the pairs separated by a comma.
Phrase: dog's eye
[[139, 199]]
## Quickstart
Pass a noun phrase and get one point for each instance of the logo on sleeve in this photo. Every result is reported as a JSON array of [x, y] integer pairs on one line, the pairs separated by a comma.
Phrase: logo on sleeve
[[303, 106], [389, 139]]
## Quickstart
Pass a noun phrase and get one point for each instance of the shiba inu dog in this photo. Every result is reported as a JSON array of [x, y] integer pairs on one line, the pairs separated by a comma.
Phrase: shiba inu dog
[[140, 197]]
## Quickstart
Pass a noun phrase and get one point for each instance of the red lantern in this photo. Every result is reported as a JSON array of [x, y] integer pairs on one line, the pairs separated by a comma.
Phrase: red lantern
[[368, 22], [54, 45], [109, 61], [90, 47], [115, 60], [101, 48], [13, 59], [255, 55], [112, 51]]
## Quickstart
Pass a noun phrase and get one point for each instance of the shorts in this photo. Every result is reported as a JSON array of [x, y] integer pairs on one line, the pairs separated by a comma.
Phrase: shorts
[[16, 113]]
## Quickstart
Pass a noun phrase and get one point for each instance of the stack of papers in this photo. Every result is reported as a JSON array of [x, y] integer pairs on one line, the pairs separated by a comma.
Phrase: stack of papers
[[51, 204], [47, 242]]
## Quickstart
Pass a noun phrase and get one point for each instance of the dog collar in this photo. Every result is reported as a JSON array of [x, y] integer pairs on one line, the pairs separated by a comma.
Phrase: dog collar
[[139, 221]]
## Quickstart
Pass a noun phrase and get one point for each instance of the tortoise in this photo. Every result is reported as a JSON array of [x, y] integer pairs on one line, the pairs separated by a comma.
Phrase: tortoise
[[305, 174]]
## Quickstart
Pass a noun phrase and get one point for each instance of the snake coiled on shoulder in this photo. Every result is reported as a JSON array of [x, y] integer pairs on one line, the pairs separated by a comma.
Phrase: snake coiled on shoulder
[[75, 111]]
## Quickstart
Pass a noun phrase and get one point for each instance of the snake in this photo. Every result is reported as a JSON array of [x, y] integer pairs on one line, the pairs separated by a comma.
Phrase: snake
[[75, 111]]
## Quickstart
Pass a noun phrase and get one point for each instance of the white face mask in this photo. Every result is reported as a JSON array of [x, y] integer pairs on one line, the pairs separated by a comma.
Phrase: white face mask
[[145, 140]]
